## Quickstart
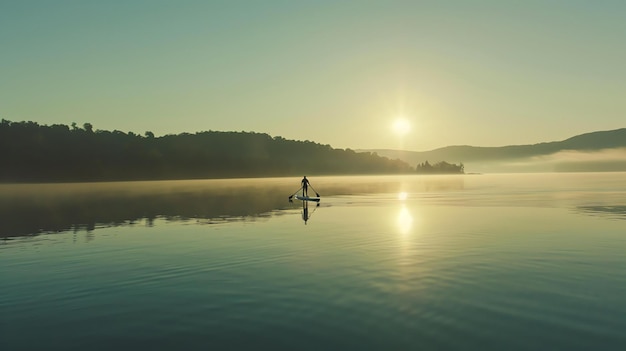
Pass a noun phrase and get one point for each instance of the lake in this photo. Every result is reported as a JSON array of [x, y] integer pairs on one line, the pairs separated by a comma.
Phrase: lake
[[471, 262]]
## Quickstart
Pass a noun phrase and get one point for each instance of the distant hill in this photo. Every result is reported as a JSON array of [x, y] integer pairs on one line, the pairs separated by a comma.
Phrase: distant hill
[[30, 152], [499, 157]]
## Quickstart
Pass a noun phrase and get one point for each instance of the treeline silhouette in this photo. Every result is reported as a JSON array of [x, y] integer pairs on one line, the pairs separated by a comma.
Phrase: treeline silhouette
[[30, 152], [442, 167]]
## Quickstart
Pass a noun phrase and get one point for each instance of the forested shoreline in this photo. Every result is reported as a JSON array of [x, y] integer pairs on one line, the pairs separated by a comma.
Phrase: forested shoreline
[[30, 152], [442, 167]]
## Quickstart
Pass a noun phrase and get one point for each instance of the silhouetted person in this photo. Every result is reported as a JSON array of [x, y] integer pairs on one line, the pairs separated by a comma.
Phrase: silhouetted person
[[305, 186]]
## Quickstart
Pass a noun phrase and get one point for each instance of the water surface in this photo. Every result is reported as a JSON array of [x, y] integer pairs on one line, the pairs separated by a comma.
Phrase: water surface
[[515, 262]]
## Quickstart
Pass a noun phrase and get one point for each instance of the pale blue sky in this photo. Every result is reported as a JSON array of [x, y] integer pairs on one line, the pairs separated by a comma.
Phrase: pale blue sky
[[481, 73]]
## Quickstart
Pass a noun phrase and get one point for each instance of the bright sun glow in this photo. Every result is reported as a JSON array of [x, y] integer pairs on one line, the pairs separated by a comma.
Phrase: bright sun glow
[[401, 126]]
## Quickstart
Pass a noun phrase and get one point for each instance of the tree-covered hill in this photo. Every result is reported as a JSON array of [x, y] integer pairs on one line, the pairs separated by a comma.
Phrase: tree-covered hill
[[585, 142], [30, 152]]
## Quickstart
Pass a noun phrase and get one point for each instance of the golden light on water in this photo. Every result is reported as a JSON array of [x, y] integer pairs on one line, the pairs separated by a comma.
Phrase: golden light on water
[[402, 196], [404, 221]]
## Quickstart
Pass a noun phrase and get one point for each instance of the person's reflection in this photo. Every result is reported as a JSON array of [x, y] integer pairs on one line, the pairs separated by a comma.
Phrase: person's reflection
[[306, 215], [305, 211]]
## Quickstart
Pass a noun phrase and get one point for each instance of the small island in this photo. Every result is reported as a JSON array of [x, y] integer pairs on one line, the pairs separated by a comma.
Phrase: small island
[[442, 167]]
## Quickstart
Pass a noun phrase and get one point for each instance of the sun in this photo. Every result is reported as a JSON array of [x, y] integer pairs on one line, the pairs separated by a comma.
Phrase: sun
[[401, 126]]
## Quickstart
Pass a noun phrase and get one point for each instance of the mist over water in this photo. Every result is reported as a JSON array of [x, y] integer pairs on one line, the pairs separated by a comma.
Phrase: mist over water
[[515, 262], [35, 208], [605, 160]]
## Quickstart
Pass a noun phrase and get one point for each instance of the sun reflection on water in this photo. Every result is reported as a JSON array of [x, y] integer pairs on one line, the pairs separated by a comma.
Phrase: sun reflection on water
[[404, 221]]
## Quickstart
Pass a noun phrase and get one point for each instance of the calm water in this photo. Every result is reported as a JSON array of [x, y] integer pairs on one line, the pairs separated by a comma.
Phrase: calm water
[[476, 262]]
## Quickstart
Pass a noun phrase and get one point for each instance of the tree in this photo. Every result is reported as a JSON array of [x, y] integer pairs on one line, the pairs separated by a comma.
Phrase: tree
[[33, 152], [442, 167]]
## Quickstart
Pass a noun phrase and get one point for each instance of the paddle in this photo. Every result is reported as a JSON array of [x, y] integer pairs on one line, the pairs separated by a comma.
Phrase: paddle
[[316, 194], [291, 196]]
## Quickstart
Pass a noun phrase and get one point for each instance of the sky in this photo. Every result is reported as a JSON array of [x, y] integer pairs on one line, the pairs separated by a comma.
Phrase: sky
[[481, 73]]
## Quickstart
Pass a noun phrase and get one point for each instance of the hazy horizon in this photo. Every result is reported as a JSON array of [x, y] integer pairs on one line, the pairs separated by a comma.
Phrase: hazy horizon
[[351, 74]]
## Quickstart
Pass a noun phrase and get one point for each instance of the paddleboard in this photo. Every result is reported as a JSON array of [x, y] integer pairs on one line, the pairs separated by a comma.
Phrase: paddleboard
[[307, 198]]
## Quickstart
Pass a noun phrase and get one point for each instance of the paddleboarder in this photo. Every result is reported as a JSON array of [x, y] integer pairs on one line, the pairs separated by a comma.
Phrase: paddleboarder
[[305, 192], [305, 186]]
